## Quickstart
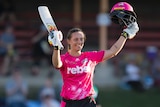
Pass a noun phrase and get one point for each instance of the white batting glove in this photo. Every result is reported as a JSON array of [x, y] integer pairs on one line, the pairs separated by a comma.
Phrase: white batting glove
[[131, 30], [55, 38]]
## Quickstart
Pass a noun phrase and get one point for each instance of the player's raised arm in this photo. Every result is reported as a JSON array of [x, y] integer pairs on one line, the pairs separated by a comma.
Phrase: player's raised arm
[[54, 40], [55, 37], [127, 33]]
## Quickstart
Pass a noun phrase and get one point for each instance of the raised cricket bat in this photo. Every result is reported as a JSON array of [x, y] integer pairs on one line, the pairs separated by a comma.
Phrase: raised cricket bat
[[48, 21]]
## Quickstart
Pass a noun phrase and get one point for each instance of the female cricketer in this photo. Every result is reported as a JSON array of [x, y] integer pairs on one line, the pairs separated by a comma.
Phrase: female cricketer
[[77, 67]]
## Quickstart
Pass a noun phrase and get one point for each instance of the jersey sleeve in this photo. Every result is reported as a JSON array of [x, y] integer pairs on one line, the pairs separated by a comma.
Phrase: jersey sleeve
[[96, 55]]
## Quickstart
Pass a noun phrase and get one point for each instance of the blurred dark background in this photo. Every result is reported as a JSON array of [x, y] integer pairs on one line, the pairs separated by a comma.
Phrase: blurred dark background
[[143, 49]]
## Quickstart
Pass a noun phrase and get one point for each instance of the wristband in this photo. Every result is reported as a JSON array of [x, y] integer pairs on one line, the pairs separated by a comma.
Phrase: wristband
[[124, 34], [55, 48]]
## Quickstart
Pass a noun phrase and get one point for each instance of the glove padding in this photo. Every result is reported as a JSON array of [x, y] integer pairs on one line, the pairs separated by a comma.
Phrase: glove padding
[[55, 38], [131, 30]]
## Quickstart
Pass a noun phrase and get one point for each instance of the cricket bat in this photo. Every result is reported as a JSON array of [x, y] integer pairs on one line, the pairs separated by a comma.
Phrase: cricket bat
[[48, 21]]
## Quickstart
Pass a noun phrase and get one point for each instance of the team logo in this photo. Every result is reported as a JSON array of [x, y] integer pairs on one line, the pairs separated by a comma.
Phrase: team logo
[[120, 6], [84, 61]]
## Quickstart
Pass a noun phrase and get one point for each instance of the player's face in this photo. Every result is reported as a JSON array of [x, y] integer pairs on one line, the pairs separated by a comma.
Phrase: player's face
[[77, 41]]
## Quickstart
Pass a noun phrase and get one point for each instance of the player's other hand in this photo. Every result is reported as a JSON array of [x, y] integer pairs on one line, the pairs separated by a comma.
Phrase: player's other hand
[[55, 38], [131, 30]]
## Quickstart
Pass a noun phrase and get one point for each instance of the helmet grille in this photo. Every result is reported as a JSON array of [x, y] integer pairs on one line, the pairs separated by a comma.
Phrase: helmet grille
[[122, 17]]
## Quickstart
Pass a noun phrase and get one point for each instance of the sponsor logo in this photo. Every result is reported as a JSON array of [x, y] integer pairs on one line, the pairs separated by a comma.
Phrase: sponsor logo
[[77, 70], [50, 27]]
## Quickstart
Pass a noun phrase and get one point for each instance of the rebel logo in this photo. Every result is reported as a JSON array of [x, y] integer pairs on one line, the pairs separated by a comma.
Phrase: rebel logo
[[77, 70]]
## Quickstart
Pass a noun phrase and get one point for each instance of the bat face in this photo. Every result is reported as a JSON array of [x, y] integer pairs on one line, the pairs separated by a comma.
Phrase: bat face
[[47, 18]]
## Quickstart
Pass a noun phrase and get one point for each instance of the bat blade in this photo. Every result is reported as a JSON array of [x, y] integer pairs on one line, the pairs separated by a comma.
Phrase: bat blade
[[48, 21], [46, 18]]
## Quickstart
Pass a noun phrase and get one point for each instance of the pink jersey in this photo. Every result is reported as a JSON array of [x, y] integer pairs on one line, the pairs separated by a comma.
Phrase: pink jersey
[[77, 74]]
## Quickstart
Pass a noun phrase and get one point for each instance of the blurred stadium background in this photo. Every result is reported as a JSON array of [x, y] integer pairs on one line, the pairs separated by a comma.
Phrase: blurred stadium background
[[83, 14]]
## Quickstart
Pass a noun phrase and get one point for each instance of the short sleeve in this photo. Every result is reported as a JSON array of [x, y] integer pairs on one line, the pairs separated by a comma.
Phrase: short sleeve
[[96, 55]]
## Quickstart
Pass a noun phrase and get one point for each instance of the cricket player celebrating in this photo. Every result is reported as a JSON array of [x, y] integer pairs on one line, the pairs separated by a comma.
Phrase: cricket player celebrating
[[77, 67]]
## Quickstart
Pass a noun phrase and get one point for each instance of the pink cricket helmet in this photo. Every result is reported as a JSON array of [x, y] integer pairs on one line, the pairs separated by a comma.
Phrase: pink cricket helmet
[[123, 11], [123, 6]]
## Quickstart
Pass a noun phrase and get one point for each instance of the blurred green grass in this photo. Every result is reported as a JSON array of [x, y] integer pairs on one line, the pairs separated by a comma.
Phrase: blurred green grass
[[128, 98], [117, 97]]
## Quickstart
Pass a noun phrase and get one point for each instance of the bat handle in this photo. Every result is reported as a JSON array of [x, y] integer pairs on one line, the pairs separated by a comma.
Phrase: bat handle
[[61, 46]]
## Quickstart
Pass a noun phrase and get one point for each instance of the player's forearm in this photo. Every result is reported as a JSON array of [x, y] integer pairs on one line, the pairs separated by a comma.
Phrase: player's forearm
[[116, 48], [56, 60]]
